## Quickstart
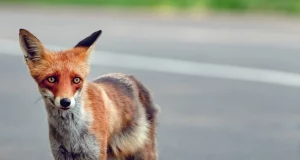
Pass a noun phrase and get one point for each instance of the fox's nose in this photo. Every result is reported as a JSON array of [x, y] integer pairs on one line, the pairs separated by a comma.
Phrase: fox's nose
[[65, 102]]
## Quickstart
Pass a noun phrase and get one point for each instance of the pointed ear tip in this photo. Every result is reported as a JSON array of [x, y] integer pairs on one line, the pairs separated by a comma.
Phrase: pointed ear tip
[[23, 31], [99, 32]]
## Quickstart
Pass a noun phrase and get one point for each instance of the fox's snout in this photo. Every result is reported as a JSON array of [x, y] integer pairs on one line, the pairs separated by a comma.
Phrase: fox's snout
[[64, 103], [59, 101]]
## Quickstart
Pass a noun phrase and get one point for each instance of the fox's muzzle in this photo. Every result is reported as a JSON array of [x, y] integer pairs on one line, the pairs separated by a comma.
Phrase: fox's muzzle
[[64, 103]]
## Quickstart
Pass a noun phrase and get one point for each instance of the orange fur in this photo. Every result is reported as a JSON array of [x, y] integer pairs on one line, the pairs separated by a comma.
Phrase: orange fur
[[99, 126], [73, 60]]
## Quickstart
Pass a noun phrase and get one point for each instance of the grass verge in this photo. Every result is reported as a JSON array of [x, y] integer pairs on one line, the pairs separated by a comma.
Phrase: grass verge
[[284, 6]]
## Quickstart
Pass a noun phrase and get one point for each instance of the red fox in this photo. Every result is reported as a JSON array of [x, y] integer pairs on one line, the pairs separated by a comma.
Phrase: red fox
[[111, 117]]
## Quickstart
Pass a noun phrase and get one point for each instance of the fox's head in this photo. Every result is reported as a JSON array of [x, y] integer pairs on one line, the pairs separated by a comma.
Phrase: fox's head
[[60, 75]]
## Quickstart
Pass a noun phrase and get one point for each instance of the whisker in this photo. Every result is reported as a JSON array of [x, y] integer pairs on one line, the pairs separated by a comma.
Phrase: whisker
[[38, 99]]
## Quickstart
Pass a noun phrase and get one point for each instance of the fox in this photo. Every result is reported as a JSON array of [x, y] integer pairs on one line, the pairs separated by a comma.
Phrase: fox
[[110, 117]]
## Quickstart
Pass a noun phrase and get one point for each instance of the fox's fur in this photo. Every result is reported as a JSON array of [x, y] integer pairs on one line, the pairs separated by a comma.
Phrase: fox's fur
[[112, 117]]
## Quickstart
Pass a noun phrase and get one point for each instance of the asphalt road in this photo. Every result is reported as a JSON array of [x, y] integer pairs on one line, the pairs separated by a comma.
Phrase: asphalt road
[[202, 117]]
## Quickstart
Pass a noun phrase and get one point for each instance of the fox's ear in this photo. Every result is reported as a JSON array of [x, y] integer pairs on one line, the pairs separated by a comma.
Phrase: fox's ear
[[30, 45], [89, 41]]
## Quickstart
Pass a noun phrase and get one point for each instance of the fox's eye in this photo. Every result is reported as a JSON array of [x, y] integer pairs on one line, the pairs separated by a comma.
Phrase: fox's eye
[[76, 80], [51, 79]]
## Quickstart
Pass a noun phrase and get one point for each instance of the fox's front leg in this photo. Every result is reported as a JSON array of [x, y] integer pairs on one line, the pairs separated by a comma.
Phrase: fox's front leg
[[61, 154], [58, 151]]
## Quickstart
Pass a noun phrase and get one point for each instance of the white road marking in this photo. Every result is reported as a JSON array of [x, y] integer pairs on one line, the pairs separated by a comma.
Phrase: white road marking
[[181, 67]]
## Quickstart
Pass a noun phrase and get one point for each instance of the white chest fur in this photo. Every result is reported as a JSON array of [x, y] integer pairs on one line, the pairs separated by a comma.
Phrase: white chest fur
[[69, 135]]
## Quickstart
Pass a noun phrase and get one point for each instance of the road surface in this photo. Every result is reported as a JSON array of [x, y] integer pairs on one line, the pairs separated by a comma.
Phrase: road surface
[[228, 86]]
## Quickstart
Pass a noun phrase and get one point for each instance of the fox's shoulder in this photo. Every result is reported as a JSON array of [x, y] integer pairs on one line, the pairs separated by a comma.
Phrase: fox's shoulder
[[118, 81], [115, 79]]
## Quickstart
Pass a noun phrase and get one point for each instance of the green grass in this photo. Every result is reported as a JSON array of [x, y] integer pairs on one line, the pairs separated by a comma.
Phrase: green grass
[[286, 6]]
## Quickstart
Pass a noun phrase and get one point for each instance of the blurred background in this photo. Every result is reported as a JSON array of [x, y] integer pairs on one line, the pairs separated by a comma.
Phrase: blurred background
[[225, 73]]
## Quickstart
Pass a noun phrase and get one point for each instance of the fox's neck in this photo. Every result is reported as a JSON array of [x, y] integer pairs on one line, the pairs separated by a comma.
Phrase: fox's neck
[[70, 121]]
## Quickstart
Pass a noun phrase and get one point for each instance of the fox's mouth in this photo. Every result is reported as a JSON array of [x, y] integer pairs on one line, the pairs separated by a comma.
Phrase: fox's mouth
[[51, 101], [63, 108]]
